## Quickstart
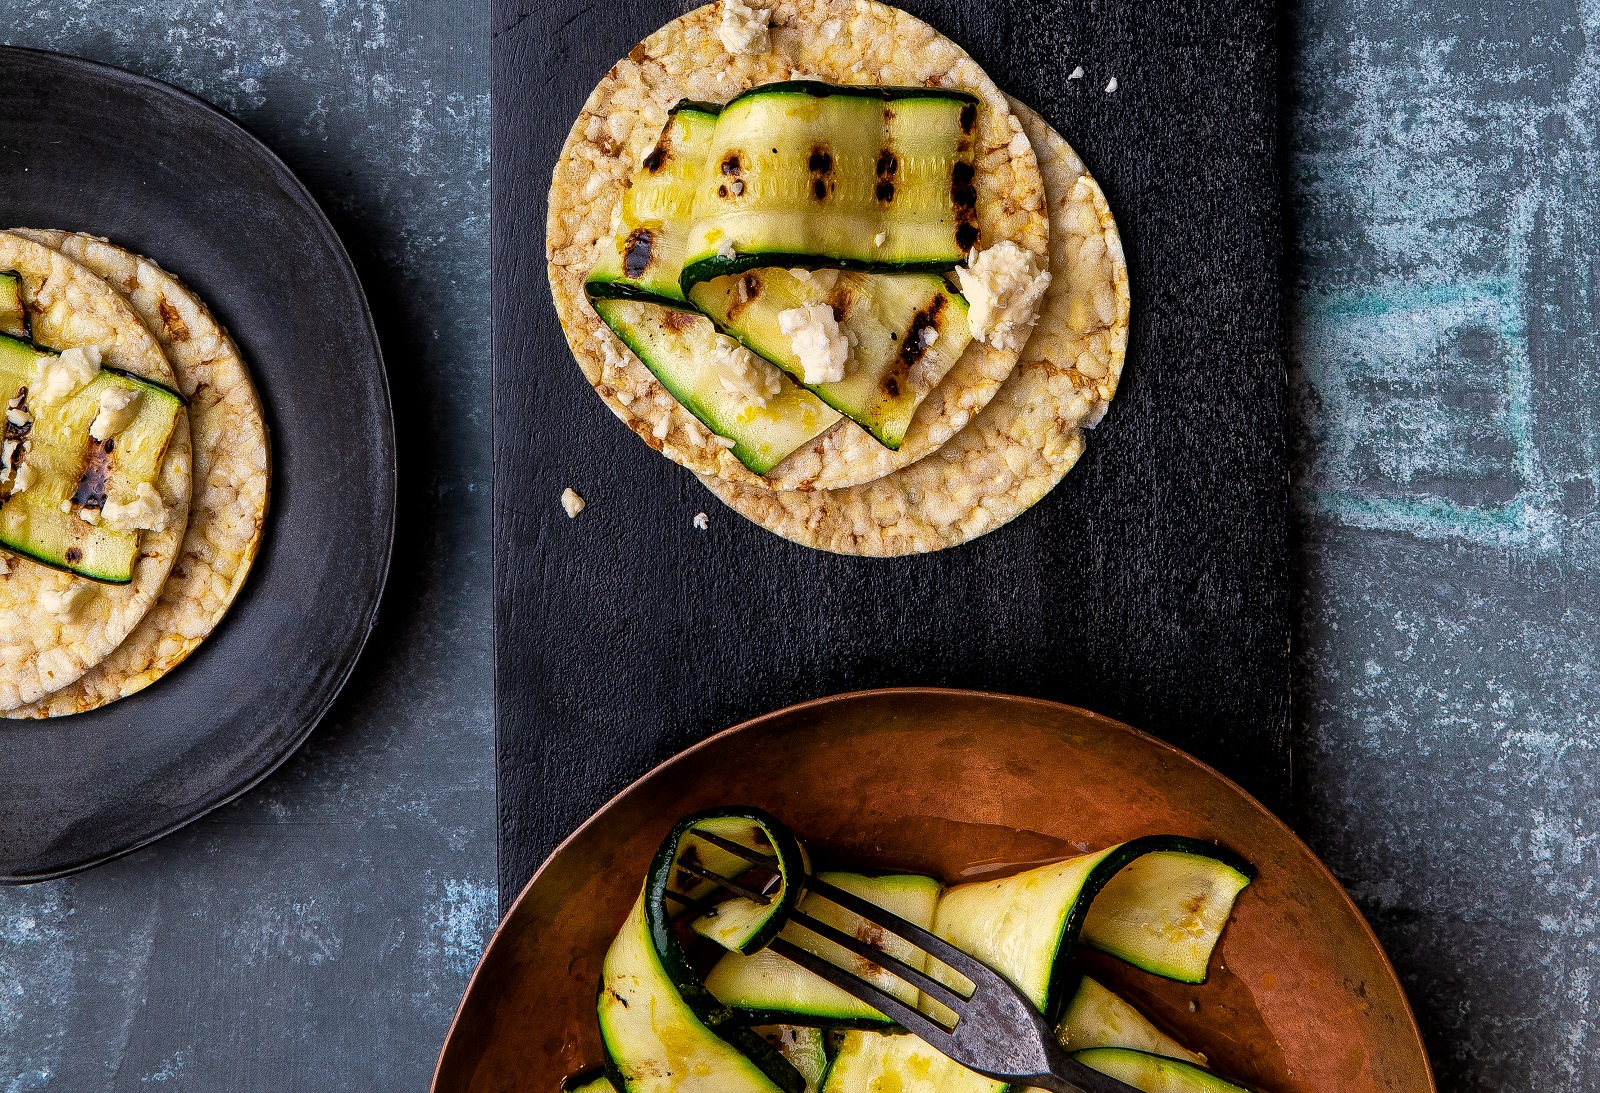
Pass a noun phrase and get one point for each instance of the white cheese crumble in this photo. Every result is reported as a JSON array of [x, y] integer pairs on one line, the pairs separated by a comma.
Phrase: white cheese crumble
[[929, 336], [144, 512], [742, 374], [702, 521], [571, 501], [16, 415], [1077, 73], [59, 376], [880, 239], [725, 249], [118, 407], [814, 336], [1111, 85], [744, 28], [25, 477], [64, 604], [1003, 286]]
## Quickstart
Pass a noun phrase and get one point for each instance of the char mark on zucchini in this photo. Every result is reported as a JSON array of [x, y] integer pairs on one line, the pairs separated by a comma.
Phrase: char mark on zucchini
[[90, 492], [636, 252]]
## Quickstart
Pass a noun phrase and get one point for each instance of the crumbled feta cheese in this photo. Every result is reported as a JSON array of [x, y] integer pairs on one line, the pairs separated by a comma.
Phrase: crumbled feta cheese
[[59, 376], [144, 512], [880, 239], [929, 336], [16, 415], [571, 501], [1111, 85], [1003, 286], [744, 28], [1077, 73], [742, 374], [702, 521], [64, 604], [118, 407], [725, 249], [822, 280], [26, 476], [814, 336]]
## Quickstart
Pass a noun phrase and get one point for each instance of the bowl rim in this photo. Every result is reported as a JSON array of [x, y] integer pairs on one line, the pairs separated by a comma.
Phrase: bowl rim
[[1410, 1026]]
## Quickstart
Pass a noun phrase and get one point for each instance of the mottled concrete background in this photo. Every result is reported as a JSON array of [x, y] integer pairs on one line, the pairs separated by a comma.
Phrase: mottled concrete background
[[1442, 158], [318, 934], [1443, 169]]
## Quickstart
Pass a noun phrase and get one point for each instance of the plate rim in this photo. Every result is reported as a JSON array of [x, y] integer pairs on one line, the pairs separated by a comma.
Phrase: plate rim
[[387, 466], [1412, 1029]]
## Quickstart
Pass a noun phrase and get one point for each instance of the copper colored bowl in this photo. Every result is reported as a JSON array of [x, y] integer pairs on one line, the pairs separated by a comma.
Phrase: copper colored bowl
[[957, 783]]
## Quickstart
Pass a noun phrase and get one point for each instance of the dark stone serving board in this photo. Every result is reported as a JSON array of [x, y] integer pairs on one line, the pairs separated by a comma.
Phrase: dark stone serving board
[[1152, 585]]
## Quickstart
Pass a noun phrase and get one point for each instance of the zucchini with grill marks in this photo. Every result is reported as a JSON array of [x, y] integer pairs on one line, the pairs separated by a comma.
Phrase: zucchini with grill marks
[[1155, 1073], [810, 175], [680, 349], [51, 462], [906, 332], [645, 258]]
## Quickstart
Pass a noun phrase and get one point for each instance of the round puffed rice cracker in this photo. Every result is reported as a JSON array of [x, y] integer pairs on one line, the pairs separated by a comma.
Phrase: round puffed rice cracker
[[1027, 439], [839, 41], [231, 477], [41, 652]]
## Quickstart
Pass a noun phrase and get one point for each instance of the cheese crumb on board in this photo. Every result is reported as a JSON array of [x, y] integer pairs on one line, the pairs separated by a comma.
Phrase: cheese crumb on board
[[1111, 85], [1077, 73], [702, 521], [571, 502]]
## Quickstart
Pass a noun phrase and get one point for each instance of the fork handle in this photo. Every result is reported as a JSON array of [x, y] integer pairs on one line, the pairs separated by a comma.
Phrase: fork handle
[[1067, 1075]]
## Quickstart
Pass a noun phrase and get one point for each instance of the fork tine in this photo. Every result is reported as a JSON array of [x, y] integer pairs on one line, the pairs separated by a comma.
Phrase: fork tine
[[929, 943], [908, 1018], [754, 857], [917, 978], [723, 882]]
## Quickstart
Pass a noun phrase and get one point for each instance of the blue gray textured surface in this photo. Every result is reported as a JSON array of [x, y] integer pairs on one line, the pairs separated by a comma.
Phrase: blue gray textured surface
[[318, 933], [1442, 165]]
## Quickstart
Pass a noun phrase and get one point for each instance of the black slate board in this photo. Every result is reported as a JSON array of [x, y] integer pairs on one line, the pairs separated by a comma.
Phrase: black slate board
[[1151, 586]]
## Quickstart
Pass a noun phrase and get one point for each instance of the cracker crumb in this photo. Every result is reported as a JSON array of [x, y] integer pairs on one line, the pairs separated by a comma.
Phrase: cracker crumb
[[571, 501], [702, 521], [1077, 73], [1111, 85]]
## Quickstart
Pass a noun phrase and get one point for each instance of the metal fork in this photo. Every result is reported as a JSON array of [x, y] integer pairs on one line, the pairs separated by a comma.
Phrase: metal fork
[[997, 1032]]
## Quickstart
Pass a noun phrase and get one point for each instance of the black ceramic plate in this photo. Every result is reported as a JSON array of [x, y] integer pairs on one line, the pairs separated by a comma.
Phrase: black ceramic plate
[[90, 148]]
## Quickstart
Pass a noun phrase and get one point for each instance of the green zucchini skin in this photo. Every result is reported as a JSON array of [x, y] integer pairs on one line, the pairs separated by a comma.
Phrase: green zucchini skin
[[1155, 1073], [644, 261], [792, 204], [671, 343]]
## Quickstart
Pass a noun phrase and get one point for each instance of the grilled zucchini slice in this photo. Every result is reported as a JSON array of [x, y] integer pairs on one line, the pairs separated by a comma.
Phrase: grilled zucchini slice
[[906, 331], [644, 259], [811, 175], [13, 313], [676, 346], [72, 471]]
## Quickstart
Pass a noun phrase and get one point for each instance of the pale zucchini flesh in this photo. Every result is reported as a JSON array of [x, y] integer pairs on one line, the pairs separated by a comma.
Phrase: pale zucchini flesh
[[654, 1041], [674, 345], [1096, 1016], [74, 471], [844, 177], [1155, 1073], [644, 259], [906, 331], [13, 312], [805, 1049], [772, 988], [1165, 911]]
